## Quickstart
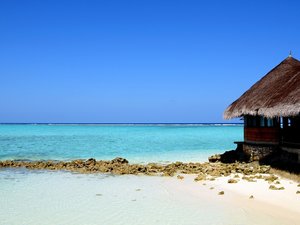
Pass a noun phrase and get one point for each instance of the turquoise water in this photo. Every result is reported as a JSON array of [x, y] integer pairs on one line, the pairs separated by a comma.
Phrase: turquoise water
[[138, 143], [49, 198], [55, 197], [72, 199]]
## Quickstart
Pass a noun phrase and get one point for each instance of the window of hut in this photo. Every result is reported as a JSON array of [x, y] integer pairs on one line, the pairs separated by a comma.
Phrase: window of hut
[[261, 121], [270, 122], [289, 122]]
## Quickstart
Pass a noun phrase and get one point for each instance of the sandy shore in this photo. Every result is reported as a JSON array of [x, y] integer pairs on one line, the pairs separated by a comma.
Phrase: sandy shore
[[251, 197], [237, 193], [30, 196]]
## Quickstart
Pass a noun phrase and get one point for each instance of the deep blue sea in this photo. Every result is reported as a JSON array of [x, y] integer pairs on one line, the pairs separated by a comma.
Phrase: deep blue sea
[[137, 143]]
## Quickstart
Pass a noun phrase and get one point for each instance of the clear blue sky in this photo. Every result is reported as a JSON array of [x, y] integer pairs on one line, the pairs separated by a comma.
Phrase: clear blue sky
[[137, 61]]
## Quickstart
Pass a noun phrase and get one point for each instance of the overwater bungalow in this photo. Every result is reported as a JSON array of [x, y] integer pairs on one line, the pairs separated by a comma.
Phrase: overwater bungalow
[[271, 113]]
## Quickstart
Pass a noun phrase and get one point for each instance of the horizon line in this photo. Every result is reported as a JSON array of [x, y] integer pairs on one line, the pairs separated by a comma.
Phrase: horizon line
[[47, 123]]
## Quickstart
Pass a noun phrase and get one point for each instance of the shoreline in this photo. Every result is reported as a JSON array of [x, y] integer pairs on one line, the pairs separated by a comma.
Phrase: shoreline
[[185, 189], [215, 183], [236, 173], [121, 166]]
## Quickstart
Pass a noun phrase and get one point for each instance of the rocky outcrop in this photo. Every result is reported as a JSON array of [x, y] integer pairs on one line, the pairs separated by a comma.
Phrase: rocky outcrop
[[120, 160], [122, 166], [230, 157]]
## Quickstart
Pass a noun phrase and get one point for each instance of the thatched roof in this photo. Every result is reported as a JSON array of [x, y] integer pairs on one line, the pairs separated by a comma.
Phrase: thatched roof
[[276, 94]]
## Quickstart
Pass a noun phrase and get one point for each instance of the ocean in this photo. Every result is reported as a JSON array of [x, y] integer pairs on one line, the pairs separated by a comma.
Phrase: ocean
[[136, 142], [59, 197]]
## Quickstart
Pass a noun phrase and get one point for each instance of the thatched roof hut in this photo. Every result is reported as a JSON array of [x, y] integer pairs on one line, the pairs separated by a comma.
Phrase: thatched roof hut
[[276, 94]]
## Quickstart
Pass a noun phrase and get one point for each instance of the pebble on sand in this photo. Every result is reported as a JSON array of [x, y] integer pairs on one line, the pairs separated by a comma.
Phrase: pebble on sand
[[232, 181], [273, 187], [180, 177]]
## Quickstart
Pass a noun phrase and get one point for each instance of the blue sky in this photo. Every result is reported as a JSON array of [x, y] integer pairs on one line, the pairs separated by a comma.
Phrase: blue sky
[[137, 61]]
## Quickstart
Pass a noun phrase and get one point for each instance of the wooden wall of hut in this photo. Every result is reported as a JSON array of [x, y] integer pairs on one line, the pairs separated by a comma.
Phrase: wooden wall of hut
[[261, 130], [262, 135]]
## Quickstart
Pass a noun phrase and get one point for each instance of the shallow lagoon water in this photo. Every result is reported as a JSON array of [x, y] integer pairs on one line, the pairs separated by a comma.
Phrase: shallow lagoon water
[[65, 198], [138, 143], [56, 197], [47, 198]]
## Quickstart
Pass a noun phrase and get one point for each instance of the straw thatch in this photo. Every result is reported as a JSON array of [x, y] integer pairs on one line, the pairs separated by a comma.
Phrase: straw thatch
[[276, 94]]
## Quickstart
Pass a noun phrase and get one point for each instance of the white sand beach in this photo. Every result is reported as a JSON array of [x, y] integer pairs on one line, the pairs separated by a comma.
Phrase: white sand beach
[[41, 197], [252, 198]]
